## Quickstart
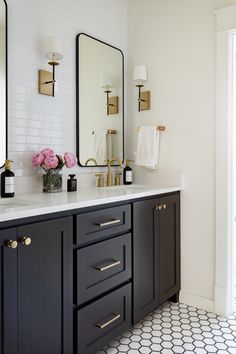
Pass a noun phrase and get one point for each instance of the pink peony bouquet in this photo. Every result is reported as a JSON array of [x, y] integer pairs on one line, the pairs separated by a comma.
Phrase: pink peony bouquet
[[48, 160]]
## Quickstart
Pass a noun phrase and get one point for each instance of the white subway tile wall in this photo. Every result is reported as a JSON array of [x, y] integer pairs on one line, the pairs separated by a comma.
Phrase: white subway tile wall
[[37, 121]]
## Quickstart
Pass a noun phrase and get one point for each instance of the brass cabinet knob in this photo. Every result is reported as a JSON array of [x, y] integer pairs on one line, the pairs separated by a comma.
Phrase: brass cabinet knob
[[26, 241], [12, 244], [164, 206], [159, 207]]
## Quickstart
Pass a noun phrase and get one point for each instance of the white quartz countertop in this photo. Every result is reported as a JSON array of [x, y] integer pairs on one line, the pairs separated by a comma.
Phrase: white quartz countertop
[[28, 205]]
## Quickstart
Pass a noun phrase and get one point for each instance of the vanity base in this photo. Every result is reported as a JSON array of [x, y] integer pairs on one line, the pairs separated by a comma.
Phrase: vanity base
[[88, 274], [174, 298]]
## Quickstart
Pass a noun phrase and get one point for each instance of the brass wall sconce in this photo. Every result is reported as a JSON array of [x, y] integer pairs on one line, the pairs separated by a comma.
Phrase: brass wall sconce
[[144, 98], [112, 103], [46, 79]]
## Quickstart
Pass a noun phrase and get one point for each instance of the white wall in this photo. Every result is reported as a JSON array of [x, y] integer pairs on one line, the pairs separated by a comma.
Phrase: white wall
[[37, 121], [176, 40], [2, 89]]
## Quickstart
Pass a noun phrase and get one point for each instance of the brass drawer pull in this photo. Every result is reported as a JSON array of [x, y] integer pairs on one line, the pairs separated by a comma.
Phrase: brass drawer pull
[[159, 207], [103, 325], [112, 222], [12, 244], [164, 206], [108, 266]]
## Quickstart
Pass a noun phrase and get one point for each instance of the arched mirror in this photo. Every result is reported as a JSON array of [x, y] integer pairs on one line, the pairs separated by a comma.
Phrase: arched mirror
[[3, 81]]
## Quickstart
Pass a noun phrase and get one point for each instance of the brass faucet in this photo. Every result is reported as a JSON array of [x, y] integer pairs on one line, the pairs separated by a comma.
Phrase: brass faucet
[[91, 159], [109, 173]]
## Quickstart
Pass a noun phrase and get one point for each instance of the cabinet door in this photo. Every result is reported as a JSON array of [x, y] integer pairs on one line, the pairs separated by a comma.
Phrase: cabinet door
[[8, 292], [45, 301], [146, 268], [167, 225]]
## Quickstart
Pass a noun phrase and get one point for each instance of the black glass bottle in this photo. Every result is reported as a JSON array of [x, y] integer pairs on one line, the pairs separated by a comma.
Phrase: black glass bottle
[[7, 181], [72, 184]]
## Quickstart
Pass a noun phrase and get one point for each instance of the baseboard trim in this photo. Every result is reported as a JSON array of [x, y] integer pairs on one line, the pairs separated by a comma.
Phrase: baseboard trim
[[197, 301], [222, 304]]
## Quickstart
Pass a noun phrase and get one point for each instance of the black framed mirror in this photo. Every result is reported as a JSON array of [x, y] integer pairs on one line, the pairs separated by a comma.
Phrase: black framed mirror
[[100, 101], [3, 82]]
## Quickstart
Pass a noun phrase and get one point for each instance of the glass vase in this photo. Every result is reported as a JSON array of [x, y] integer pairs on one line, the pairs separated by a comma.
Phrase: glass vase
[[52, 181]]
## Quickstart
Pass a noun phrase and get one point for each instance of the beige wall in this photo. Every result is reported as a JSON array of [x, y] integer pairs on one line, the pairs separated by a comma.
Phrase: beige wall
[[176, 40]]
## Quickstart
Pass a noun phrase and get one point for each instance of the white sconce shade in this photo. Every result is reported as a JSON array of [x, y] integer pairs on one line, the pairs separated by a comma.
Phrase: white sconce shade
[[140, 73], [106, 81], [53, 49]]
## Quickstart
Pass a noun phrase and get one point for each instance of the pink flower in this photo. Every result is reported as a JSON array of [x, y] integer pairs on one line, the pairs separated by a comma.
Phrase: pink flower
[[37, 159], [70, 160], [50, 161], [47, 152]]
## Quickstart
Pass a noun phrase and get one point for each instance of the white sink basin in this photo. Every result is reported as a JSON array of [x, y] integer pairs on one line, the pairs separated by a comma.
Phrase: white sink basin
[[12, 203]]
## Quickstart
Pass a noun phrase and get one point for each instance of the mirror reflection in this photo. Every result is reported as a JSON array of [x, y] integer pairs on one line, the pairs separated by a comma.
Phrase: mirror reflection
[[99, 102], [3, 110]]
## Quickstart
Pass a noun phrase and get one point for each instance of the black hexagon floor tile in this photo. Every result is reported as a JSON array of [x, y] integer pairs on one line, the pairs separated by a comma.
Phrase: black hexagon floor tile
[[178, 328]]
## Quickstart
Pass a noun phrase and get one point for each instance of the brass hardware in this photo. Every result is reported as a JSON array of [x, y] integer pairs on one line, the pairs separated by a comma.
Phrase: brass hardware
[[92, 160], [26, 241], [100, 179], [112, 222], [113, 319], [47, 79], [145, 100], [108, 266], [115, 159], [111, 131], [161, 128], [12, 244], [45, 82], [164, 206], [159, 207], [109, 174], [109, 179], [113, 105], [118, 178]]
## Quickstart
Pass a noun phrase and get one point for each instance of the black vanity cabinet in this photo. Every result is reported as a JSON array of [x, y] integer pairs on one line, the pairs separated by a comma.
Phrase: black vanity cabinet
[[36, 288], [156, 237], [73, 281], [8, 292], [103, 277]]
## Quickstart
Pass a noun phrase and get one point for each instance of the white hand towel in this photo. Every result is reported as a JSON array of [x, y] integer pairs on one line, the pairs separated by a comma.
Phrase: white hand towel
[[148, 147], [100, 147]]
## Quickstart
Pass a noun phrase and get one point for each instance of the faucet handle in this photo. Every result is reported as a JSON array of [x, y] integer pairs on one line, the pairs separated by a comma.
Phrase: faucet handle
[[100, 179], [109, 179], [117, 178]]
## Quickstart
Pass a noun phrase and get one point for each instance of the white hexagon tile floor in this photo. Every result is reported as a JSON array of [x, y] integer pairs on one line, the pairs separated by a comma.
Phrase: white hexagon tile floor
[[178, 328]]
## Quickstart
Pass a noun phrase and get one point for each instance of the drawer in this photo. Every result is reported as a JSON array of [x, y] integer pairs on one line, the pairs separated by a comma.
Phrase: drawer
[[100, 224], [102, 266], [103, 320]]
